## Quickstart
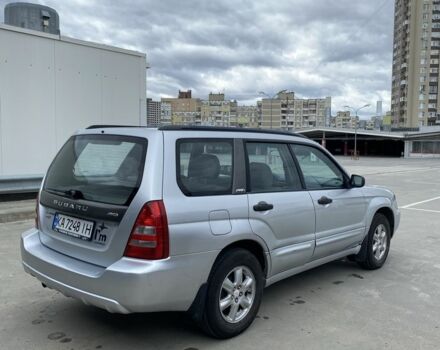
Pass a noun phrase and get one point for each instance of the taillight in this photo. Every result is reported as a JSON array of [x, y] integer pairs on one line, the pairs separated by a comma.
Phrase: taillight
[[149, 238], [37, 212]]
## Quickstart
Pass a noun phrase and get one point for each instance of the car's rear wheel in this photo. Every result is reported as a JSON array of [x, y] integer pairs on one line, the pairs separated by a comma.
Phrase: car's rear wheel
[[377, 244], [234, 294]]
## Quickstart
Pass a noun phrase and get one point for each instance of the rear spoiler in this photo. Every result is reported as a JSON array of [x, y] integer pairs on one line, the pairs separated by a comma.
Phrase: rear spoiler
[[97, 126]]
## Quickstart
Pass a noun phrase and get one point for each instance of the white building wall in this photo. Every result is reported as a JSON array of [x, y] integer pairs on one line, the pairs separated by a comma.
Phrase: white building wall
[[51, 86]]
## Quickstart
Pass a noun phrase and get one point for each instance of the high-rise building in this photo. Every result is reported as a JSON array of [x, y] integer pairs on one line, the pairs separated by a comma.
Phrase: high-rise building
[[287, 112], [416, 54], [153, 113], [379, 108]]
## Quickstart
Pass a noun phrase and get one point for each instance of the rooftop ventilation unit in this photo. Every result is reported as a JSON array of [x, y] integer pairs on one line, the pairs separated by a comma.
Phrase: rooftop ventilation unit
[[32, 16]]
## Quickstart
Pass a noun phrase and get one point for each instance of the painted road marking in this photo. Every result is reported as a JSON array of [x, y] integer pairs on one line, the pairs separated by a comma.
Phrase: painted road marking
[[421, 202], [427, 210], [423, 183], [393, 172]]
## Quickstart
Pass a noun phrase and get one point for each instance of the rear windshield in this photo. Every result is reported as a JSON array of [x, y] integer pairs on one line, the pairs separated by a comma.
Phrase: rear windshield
[[100, 168]]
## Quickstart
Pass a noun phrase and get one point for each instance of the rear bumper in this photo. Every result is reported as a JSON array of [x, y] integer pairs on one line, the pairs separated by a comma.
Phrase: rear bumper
[[128, 285]]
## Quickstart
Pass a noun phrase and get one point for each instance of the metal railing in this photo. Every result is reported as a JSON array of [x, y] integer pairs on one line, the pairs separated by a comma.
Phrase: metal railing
[[20, 184]]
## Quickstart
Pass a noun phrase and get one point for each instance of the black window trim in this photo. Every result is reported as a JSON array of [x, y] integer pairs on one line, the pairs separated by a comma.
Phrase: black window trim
[[182, 188], [239, 170], [284, 142], [330, 157]]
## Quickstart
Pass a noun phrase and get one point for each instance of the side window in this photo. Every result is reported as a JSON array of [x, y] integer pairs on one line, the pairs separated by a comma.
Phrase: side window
[[271, 168], [204, 167], [318, 169]]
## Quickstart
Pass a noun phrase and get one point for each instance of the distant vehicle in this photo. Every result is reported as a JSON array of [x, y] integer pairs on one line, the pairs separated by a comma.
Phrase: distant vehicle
[[198, 219]]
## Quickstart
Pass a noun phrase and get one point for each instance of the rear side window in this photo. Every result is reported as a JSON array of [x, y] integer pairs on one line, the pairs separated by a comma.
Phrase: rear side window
[[100, 168], [271, 168], [204, 166]]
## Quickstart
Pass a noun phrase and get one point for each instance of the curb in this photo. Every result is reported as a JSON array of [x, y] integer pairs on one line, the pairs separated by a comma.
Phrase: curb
[[17, 216]]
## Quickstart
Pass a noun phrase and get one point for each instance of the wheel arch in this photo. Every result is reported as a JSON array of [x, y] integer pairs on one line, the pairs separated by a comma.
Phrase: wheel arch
[[388, 213], [384, 206], [254, 247]]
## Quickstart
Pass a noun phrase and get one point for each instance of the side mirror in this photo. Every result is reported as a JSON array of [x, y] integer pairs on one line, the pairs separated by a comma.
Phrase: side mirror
[[357, 181]]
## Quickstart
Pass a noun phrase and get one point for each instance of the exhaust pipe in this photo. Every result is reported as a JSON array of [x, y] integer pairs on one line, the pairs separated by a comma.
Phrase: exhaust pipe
[[44, 286]]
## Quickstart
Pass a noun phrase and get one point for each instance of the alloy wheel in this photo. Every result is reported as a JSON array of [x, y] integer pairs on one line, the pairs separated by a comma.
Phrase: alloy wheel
[[380, 242], [237, 294]]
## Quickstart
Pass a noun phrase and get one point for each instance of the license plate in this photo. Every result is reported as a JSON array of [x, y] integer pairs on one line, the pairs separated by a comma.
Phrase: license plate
[[73, 226]]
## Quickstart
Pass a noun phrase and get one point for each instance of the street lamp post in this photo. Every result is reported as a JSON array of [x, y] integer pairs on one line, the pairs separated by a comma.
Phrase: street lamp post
[[271, 99], [356, 110]]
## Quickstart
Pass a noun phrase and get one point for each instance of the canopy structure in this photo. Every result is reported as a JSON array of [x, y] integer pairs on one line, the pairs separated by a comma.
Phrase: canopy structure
[[369, 142]]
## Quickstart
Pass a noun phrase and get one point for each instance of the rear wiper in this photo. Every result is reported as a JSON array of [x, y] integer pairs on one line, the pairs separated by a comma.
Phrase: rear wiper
[[56, 191], [74, 194]]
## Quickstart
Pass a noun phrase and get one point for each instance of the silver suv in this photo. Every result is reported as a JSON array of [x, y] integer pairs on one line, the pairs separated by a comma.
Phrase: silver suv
[[198, 219]]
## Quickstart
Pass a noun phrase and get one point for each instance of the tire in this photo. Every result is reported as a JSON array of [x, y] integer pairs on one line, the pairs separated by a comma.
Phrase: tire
[[352, 257], [376, 245], [240, 302]]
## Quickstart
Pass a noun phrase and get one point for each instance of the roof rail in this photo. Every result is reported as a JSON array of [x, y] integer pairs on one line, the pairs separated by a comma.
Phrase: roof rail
[[98, 126], [229, 129]]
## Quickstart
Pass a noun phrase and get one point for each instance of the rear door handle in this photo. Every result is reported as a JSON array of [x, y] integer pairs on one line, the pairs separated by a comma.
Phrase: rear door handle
[[263, 206], [324, 200]]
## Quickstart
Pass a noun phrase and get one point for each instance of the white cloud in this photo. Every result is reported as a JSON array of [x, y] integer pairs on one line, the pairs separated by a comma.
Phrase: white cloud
[[341, 48]]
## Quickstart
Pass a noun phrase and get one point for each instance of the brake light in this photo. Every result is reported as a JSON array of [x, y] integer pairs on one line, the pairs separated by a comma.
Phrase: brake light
[[37, 212], [149, 238]]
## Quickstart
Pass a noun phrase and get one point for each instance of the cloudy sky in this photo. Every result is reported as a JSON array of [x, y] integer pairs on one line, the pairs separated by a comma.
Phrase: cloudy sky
[[338, 48]]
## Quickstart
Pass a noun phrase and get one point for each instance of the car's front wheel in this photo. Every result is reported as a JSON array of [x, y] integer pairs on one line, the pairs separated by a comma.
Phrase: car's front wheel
[[234, 294], [377, 244]]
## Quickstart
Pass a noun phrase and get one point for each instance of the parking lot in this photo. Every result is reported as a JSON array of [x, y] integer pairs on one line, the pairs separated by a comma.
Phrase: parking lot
[[336, 306]]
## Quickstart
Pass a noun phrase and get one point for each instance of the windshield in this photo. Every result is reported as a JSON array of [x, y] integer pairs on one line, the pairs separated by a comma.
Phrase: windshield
[[100, 168]]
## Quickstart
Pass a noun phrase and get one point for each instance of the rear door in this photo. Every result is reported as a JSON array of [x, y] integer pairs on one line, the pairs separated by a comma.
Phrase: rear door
[[280, 210], [340, 211], [205, 202], [86, 195]]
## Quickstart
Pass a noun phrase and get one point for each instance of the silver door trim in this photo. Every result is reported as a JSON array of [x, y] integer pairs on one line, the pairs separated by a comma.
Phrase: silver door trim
[[310, 265], [340, 236], [291, 249]]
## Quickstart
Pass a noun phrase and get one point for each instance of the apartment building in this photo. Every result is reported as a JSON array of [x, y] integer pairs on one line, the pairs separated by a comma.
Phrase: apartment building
[[387, 122], [165, 113], [416, 54], [259, 113], [287, 112], [183, 110], [270, 110], [310, 113], [247, 117], [344, 120], [153, 113], [283, 112], [216, 111]]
